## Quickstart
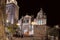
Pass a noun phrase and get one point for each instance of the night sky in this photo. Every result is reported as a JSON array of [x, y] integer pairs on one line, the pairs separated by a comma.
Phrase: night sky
[[32, 7]]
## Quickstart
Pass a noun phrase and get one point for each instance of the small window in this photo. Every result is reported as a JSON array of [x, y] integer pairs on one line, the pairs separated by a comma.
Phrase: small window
[[26, 21]]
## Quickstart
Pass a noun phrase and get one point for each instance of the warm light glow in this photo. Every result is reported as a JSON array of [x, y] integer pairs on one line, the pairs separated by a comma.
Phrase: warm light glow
[[57, 26], [18, 24], [7, 21], [33, 23]]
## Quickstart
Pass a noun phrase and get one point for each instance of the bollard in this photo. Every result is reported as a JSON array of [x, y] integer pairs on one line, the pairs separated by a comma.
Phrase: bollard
[[52, 37], [56, 38]]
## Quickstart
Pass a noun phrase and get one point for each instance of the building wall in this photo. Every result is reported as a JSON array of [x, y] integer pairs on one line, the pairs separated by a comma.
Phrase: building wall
[[40, 31], [26, 26], [16, 12], [12, 12]]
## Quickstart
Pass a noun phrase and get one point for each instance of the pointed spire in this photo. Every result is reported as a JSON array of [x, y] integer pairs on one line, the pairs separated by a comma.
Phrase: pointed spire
[[41, 11]]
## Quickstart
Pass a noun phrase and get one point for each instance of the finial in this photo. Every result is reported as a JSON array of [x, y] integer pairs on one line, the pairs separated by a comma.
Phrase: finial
[[41, 10]]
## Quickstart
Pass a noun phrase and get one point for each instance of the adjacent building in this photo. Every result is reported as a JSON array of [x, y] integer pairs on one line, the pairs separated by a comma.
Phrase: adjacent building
[[26, 26], [40, 27]]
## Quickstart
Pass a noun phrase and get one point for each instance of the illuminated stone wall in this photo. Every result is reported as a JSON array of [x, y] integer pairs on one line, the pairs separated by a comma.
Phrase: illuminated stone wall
[[40, 19], [12, 12]]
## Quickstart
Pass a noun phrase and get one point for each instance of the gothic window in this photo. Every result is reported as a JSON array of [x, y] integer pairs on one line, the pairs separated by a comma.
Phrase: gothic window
[[27, 21], [40, 22]]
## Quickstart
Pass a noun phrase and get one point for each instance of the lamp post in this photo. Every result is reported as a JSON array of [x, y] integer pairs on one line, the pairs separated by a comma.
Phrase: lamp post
[[57, 37], [7, 22], [22, 28]]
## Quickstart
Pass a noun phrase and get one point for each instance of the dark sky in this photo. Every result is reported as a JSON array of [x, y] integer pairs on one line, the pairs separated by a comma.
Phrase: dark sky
[[31, 7]]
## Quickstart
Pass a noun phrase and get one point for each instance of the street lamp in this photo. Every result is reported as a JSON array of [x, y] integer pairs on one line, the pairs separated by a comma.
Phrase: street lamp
[[34, 23], [17, 24], [57, 26], [7, 21]]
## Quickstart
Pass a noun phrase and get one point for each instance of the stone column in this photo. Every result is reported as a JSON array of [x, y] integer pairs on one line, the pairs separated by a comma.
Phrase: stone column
[[2, 12]]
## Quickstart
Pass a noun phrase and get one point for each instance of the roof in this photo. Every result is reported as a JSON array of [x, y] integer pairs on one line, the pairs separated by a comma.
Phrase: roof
[[27, 16], [11, 1]]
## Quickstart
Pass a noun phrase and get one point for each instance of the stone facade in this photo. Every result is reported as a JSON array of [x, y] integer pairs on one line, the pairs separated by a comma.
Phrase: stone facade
[[40, 19], [12, 11], [40, 27], [27, 27]]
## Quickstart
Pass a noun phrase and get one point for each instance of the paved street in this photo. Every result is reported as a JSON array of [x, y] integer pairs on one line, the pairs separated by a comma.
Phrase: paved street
[[28, 38], [37, 34]]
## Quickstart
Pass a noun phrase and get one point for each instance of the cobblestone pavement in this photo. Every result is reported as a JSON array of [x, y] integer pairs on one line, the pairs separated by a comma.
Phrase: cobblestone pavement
[[28, 38]]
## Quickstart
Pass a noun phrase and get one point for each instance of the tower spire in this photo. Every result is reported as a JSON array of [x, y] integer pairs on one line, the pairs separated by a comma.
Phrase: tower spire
[[40, 13]]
